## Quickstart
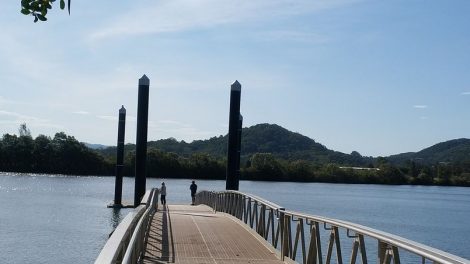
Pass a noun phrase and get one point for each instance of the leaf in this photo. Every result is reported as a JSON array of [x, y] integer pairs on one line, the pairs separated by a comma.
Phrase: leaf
[[25, 11], [68, 6], [62, 4], [41, 17], [35, 6], [35, 19]]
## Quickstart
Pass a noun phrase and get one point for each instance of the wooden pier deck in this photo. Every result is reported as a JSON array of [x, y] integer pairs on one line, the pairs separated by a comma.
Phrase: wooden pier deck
[[196, 234]]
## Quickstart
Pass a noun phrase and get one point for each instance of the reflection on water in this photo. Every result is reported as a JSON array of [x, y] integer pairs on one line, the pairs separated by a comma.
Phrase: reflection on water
[[116, 217]]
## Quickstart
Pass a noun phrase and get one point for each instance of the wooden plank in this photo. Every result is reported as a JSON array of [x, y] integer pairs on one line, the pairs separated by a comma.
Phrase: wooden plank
[[195, 234]]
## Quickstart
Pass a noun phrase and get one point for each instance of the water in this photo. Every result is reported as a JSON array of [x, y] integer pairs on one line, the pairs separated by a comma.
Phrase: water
[[57, 219]]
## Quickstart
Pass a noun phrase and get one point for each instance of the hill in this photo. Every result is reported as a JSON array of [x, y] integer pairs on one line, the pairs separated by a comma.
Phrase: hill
[[288, 145], [94, 146], [261, 138], [455, 151]]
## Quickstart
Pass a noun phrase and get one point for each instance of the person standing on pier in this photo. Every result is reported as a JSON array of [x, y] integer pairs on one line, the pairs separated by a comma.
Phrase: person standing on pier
[[193, 189], [163, 194]]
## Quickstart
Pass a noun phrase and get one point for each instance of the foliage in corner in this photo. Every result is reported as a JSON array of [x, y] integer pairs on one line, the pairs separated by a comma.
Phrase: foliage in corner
[[38, 8]]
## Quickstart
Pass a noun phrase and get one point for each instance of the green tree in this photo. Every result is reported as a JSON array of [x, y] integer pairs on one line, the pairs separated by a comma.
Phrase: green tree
[[24, 131], [9, 146], [201, 165], [24, 155], [42, 153], [424, 177], [162, 165], [39, 8], [300, 170], [265, 167]]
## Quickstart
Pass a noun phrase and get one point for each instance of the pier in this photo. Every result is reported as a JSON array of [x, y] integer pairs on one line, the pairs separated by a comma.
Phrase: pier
[[234, 227]]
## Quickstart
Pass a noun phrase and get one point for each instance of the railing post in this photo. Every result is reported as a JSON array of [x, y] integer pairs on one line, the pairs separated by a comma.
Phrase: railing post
[[240, 207], [235, 204], [268, 223], [255, 214], [382, 250], [262, 221], [283, 235], [231, 204], [299, 236], [289, 234], [249, 213], [314, 249]]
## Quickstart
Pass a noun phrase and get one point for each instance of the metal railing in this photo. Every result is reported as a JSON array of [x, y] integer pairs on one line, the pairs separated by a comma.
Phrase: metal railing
[[298, 237], [127, 242]]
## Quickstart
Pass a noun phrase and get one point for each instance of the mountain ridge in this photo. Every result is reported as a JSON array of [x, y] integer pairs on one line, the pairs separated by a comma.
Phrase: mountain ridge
[[285, 144]]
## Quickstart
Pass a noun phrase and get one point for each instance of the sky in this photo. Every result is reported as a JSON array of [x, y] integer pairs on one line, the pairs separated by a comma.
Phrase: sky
[[377, 77]]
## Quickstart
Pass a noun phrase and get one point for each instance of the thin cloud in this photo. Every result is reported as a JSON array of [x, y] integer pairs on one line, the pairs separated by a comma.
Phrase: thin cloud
[[32, 67], [131, 118], [14, 118], [465, 93], [20, 116], [173, 123], [109, 118], [182, 15], [420, 106], [81, 112], [293, 35], [116, 118]]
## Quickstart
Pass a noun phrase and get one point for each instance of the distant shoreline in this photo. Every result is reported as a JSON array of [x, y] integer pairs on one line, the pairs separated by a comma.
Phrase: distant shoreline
[[3, 173]]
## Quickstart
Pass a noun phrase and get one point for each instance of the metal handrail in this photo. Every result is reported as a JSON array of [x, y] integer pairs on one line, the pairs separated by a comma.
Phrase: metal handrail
[[298, 235], [136, 248], [127, 242]]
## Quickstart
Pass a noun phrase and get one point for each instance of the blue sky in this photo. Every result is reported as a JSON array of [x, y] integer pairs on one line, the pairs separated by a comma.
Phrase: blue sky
[[377, 77]]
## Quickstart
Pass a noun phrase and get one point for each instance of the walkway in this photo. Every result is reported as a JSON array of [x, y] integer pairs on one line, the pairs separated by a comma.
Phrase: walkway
[[195, 234]]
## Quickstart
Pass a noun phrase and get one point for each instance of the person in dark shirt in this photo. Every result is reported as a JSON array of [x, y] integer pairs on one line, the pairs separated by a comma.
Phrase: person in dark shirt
[[193, 189], [163, 194]]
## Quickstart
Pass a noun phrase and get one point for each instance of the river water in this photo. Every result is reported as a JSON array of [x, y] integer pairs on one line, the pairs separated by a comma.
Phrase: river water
[[64, 219]]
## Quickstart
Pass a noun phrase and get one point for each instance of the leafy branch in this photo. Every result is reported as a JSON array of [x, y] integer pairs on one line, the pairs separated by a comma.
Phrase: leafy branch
[[39, 8]]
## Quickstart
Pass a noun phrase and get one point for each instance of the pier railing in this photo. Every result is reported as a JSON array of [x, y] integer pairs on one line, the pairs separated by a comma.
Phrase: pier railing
[[127, 242], [299, 237]]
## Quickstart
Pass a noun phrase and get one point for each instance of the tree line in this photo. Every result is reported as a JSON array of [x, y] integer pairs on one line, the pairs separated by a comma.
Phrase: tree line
[[63, 154]]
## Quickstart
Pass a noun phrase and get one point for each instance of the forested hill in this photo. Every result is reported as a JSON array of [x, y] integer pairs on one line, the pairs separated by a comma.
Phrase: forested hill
[[455, 151], [261, 138], [288, 145], [282, 143]]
